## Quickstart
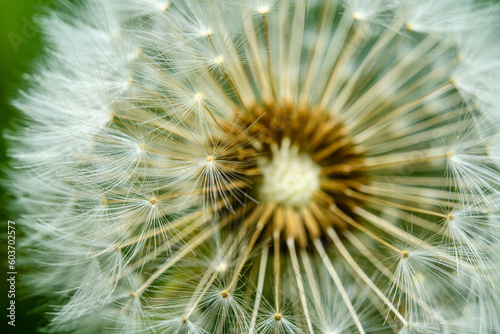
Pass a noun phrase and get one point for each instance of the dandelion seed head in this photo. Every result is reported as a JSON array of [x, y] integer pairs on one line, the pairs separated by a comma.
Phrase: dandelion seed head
[[264, 166]]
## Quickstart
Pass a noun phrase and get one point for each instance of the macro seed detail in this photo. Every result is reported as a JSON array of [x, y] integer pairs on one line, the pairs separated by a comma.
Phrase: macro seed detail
[[300, 162], [289, 178]]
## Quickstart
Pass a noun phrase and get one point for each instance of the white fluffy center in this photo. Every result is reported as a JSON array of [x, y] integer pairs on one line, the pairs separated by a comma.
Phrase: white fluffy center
[[289, 178]]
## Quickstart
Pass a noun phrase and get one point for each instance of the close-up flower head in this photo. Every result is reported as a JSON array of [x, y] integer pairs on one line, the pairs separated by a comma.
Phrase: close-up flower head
[[262, 166]]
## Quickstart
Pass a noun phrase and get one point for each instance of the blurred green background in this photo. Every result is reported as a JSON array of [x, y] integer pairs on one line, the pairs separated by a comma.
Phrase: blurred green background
[[20, 45]]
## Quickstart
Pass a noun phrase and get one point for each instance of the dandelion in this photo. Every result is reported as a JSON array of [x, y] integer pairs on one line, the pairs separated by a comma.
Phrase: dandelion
[[264, 166]]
